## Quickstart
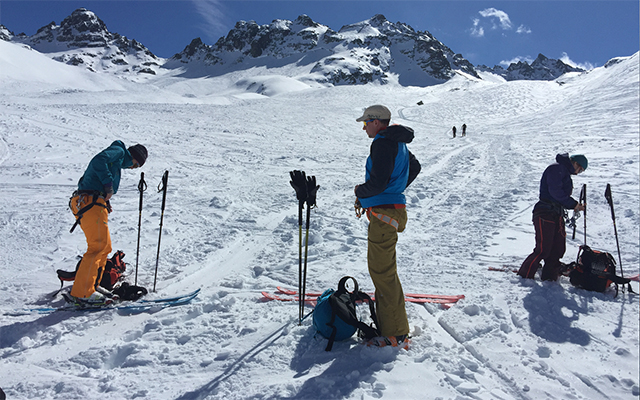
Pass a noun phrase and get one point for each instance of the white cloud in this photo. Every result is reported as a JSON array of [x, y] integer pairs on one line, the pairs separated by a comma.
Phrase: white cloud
[[503, 17], [523, 29], [477, 30], [586, 65], [212, 11]]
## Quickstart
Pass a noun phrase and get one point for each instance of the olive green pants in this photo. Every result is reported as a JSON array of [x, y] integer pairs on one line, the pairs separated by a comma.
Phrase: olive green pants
[[381, 256]]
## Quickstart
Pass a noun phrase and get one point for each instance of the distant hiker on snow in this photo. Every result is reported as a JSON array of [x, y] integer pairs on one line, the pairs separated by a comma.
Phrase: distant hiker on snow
[[390, 168], [464, 130], [556, 187], [91, 207], [454, 131]]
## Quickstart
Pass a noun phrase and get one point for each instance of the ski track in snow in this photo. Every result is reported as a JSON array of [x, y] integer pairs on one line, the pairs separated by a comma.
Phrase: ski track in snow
[[231, 227]]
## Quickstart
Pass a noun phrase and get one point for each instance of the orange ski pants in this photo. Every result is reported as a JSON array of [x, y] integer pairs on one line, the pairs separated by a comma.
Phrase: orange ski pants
[[94, 224]]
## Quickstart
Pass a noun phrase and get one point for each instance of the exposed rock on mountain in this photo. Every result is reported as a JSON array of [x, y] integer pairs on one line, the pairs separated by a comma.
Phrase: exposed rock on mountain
[[371, 50], [542, 68], [83, 39], [375, 50]]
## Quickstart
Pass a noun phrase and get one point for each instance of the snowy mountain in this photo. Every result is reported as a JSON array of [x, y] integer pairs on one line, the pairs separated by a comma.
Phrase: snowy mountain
[[5, 34], [231, 228], [371, 50], [375, 50], [541, 69], [82, 39]]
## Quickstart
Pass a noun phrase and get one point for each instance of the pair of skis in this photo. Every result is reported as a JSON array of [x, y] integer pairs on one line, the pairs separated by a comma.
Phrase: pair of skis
[[137, 306], [283, 294], [162, 187]]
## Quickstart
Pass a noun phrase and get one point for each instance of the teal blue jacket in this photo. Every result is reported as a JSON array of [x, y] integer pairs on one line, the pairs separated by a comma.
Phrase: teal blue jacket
[[103, 172]]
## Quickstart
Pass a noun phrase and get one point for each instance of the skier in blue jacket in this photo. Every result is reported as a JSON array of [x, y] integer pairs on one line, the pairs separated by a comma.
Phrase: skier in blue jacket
[[390, 168], [91, 207], [556, 187]]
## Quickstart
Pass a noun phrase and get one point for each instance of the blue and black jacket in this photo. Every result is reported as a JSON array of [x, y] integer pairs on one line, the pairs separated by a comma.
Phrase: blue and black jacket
[[556, 187], [390, 168]]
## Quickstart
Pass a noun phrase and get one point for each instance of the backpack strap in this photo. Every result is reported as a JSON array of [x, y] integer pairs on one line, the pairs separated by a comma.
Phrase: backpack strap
[[334, 330], [368, 331]]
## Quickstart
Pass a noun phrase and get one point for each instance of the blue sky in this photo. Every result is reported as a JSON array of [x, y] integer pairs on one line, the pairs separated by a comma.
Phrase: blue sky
[[586, 33]]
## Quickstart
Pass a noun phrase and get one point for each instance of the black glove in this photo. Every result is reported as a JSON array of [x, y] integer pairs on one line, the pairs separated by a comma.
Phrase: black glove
[[299, 184], [312, 189]]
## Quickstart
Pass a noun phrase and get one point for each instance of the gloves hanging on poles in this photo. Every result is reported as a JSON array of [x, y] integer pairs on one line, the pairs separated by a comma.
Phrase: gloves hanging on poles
[[306, 190], [312, 190], [299, 184]]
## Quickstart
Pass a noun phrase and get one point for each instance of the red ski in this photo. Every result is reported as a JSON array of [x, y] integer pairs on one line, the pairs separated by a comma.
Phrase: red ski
[[409, 296], [311, 300], [270, 296], [504, 269]]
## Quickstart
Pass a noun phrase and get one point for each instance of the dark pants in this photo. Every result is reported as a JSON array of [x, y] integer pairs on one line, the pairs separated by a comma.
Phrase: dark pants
[[550, 247]]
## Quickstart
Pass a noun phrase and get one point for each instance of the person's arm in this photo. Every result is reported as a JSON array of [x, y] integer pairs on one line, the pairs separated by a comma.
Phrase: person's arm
[[414, 168], [100, 164], [557, 189], [383, 156]]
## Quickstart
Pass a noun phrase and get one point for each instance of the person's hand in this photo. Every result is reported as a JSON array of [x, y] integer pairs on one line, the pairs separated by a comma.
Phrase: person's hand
[[108, 191], [356, 188], [579, 207]]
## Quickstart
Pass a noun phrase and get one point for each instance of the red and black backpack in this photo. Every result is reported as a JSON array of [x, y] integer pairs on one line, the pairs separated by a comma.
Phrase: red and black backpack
[[594, 270], [113, 273]]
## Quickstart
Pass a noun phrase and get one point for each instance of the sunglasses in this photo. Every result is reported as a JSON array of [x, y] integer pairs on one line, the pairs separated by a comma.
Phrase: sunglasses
[[367, 122]]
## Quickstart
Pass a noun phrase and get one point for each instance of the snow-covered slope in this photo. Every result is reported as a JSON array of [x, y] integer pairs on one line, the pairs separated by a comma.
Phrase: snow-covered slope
[[231, 228]]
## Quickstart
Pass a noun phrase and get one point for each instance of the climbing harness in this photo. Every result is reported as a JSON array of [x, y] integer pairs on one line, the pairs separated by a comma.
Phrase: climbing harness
[[82, 194]]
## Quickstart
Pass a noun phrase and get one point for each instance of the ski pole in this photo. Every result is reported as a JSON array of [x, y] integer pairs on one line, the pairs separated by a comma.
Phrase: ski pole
[[584, 187], [301, 300], [575, 214], [312, 189], [607, 195], [299, 184], [162, 187], [142, 186]]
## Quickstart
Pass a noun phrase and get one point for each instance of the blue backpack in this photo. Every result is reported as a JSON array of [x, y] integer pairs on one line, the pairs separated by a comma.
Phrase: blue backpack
[[335, 318]]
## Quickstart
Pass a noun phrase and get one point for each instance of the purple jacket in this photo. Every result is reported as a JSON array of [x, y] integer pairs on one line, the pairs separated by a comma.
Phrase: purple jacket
[[556, 187]]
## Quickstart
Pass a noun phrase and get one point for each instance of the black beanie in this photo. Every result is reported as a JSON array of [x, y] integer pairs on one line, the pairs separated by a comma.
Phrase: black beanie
[[139, 152]]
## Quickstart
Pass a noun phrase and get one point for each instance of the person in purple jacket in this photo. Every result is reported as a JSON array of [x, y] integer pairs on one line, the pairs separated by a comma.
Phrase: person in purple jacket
[[556, 187]]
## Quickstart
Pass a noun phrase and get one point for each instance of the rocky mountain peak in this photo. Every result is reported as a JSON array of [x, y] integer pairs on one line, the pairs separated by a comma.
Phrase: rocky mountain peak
[[5, 34], [542, 68], [83, 39], [84, 29], [305, 20], [372, 50]]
